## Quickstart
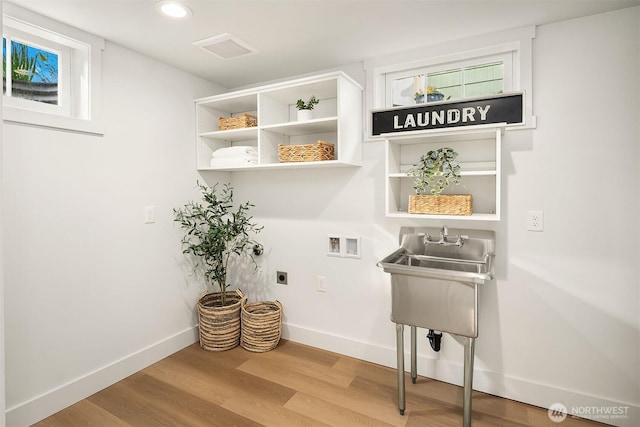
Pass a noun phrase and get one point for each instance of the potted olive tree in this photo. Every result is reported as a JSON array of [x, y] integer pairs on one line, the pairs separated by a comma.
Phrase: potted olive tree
[[437, 170], [216, 232]]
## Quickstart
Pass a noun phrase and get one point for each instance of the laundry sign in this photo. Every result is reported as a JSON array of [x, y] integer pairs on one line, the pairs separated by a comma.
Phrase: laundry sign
[[506, 108]]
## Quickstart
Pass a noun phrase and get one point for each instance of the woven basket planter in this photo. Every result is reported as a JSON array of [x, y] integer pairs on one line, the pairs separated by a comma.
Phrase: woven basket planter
[[444, 204], [306, 153], [219, 326], [261, 326], [245, 120]]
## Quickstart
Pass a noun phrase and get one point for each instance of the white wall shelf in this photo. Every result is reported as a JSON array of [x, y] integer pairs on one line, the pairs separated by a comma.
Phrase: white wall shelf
[[337, 120], [479, 151]]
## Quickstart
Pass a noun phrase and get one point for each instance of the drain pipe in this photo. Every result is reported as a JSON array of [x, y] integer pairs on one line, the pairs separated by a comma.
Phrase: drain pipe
[[435, 339]]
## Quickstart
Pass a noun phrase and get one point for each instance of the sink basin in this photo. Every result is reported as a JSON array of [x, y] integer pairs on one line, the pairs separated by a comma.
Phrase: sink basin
[[472, 262]]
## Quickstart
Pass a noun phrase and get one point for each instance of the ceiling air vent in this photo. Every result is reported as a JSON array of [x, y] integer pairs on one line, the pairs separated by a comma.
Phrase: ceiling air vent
[[225, 46]]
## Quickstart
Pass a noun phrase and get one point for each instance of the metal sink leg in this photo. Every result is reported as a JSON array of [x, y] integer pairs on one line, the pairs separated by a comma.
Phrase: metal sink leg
[[400, 365], [414, 356], [469, 346]]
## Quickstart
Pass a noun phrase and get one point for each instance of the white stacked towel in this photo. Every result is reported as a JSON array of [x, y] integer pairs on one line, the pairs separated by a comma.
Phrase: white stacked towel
[[237, 156]]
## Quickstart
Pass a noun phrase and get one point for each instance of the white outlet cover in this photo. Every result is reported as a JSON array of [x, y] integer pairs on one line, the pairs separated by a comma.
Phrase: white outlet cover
[[535, 220]]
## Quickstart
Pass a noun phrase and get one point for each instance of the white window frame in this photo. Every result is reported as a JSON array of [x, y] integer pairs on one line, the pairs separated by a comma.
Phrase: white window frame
[[518, 44], [79, 73]]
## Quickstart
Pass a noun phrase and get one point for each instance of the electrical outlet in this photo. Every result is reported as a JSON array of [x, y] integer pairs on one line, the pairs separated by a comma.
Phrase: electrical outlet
[[281, 277], [149, 214], [535, 221], [322, 284]]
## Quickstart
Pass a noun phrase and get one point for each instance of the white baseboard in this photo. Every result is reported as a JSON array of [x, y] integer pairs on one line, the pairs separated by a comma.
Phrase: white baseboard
[[39, 408], [521, 390]]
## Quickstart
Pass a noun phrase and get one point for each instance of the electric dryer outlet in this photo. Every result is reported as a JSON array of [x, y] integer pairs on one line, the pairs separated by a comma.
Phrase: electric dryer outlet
[[281, 277]]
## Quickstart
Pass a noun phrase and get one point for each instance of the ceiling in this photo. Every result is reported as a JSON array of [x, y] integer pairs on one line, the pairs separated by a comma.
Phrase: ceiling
[[301, 36]]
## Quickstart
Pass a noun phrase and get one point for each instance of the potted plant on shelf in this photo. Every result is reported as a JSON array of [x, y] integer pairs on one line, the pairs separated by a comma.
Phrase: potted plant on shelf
[[304, 109], [215, 234], [433, 94], [438, 169]]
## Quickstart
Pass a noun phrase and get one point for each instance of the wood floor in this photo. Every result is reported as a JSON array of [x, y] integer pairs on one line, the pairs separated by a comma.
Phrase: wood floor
[[292, 385]]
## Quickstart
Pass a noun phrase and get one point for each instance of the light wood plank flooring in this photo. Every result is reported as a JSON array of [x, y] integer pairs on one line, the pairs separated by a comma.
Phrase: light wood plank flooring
[[292, 385]]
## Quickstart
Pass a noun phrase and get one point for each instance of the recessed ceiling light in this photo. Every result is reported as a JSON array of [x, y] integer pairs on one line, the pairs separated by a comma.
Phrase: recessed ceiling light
[[173, 9]]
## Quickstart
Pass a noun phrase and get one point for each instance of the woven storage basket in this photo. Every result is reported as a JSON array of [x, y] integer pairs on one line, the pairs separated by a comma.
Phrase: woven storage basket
[[261, 326], [444, 204], [219, 326], [306, 153], [245, 120]]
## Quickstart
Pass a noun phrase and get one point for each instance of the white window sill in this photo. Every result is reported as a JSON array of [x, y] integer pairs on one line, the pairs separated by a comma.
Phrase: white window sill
[[34, 118]]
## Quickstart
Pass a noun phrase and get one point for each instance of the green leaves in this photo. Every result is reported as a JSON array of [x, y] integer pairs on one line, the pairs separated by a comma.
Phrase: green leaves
[[439, 163], [313, 101], [215, 232]]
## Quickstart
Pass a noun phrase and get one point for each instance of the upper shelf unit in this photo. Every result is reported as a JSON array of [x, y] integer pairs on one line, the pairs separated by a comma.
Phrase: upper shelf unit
[[479, 158], [337, 119]]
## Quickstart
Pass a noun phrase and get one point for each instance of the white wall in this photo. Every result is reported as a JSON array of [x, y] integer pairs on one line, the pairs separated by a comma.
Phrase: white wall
[[561, 321], [92, 293]]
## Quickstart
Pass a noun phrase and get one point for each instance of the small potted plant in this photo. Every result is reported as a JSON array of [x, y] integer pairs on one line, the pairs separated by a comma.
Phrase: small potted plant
[[433, 94], [437, 169], [216, 232], [305, 108]]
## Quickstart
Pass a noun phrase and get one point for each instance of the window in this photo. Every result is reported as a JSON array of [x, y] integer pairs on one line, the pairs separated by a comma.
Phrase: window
[[31, 73], [51, 73], [484, 76]]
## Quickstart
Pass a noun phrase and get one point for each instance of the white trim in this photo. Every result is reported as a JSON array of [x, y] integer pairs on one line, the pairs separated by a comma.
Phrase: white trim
[[519, 389], [40, 407]]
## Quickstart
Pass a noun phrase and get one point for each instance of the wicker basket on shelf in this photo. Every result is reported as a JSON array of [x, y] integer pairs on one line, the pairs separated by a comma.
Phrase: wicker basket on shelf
[[219, 326], [245, 120], [261, 326], [306, 153], [444, 204]]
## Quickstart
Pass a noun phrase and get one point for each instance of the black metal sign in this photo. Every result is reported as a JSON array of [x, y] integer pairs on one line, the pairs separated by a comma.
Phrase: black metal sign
[[507, 108]]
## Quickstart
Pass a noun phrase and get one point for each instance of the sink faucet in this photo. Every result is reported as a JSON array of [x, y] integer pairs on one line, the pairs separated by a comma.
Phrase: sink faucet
[[444, 232], [444, 238]]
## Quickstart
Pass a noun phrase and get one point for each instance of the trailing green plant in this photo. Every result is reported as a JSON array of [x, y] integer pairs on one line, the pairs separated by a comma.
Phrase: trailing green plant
[[438, 169], [216, 232], [313, 101]]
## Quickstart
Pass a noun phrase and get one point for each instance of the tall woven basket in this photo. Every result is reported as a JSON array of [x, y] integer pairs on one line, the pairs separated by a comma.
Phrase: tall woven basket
[[220, 325], [261, 325], [444, 204]]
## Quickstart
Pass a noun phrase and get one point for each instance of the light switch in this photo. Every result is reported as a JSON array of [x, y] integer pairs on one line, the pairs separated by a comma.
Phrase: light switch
[[149, 214]]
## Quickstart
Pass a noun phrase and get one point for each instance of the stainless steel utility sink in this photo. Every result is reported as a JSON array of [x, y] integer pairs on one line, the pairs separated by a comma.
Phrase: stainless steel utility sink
[[434, 284]]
